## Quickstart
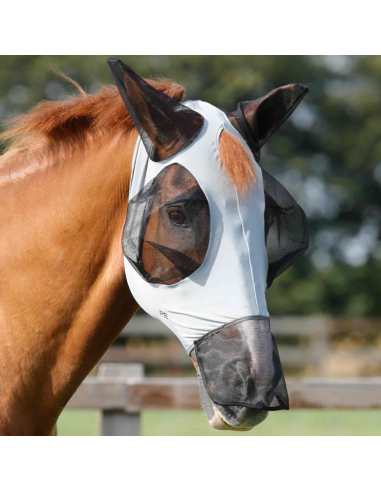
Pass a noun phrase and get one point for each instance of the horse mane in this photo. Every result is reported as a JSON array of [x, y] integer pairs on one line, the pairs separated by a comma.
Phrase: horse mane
[[102, 112], [62, 125]]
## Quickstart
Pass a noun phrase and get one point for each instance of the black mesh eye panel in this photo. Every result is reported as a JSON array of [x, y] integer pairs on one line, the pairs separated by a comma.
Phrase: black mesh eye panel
[[166, 234], [240, 365], [286, 228]]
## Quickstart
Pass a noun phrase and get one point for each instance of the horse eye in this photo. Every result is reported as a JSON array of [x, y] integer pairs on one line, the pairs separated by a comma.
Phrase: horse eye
[[177, 216]]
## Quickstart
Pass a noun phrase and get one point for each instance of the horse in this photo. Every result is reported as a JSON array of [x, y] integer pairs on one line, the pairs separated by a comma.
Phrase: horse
[[64, 194]]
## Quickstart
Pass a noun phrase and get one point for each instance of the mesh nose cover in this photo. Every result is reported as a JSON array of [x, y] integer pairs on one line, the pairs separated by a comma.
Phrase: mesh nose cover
[[240, 365], [166, 234]]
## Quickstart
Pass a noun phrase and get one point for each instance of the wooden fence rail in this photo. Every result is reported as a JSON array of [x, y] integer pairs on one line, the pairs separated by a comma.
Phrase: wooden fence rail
[[122, 394], [315, 333]]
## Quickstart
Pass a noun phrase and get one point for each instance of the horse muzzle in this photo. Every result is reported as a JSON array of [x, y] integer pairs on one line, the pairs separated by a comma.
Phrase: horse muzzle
[[240, 374]]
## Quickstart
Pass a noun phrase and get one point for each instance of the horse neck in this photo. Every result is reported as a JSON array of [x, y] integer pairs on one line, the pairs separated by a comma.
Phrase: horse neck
[[63, 294]]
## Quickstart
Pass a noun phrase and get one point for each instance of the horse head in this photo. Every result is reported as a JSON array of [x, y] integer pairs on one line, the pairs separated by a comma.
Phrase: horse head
[[206, 233]]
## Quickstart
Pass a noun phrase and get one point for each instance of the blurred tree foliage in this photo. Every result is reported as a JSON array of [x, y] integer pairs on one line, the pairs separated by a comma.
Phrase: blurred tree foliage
[[328, 154]]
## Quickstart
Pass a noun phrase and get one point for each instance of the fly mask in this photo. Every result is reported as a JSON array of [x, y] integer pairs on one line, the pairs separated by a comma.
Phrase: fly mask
[[198, 254]]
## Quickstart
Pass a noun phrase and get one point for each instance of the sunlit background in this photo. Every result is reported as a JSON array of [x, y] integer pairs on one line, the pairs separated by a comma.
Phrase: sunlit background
[[328, 155]]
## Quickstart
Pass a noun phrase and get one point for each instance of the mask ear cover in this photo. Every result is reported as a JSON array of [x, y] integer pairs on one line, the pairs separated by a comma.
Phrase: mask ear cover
[[286, 228], [258, 120], [165, 126], [240, 365]]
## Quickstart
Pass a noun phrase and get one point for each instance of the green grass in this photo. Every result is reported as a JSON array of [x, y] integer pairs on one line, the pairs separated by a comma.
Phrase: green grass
[[194, 423]]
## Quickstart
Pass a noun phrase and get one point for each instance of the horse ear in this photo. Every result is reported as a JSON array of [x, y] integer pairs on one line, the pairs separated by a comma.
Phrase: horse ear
[[258, 120], [165, 125]]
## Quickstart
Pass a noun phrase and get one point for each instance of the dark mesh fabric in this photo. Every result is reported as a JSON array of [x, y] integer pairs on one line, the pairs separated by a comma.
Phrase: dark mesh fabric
[[166, 234], [240, 365], [165, 125], [286, 228], [257, 120], [285, 221]]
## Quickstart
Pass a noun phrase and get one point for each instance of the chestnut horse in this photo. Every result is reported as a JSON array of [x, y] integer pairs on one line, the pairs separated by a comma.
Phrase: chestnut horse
[[64, 299], [63, 293]]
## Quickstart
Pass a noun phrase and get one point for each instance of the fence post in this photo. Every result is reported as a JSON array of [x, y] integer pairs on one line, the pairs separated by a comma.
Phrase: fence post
[[319, 343], [119, 422]]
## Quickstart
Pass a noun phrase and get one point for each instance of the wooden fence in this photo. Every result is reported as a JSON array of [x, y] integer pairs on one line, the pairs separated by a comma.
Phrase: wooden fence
[[121, 392], [314, 336]]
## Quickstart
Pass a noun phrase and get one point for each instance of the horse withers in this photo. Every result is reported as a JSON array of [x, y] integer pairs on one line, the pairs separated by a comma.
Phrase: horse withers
[[207, 231]]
